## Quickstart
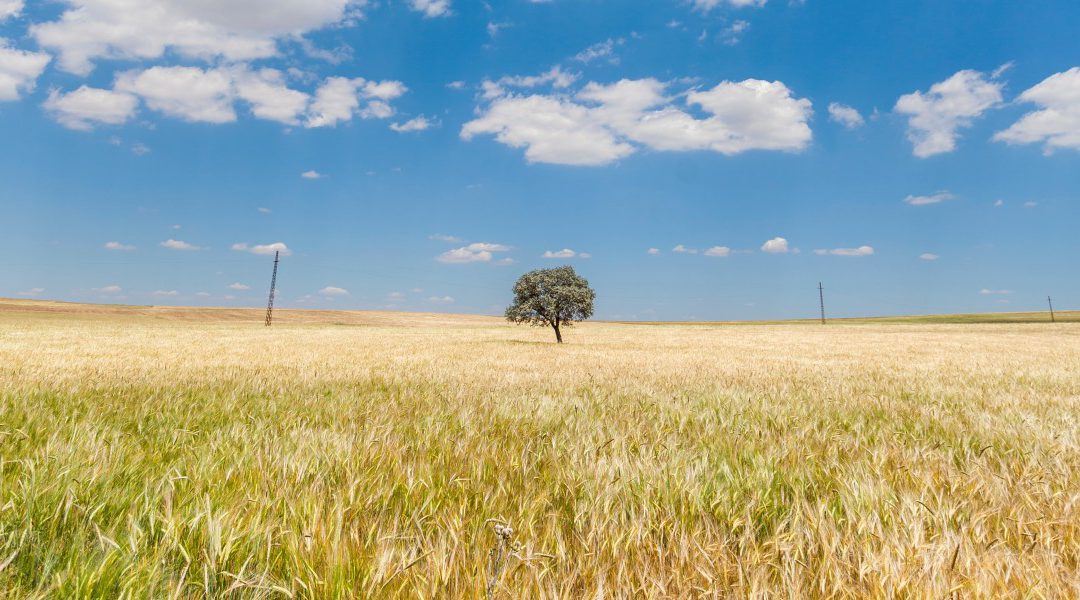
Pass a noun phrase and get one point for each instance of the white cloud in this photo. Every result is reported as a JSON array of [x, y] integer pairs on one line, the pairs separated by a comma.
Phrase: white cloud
[[707, 5], [263, 249], [604, 49], [312, 174], [239, 286], [187, 93], [445, 238], [603, 123], [845, 115], [929, 256], [264, 210], [986, 292], [934, 198], [87, 106], [119, 247], [731, 34], [179, 245], [210, 96], [203, 294], [947, 107], [564, 253], [653, 251], [108, 289], [684, 250], [456, 85], [860, 251], [475, 252], [1057, 123], [237, 30], [718, 251], [166, 293], [33, 292], [431, 8], [441, 299], [415, 124], [339, 98], [999, 203], [777, 245], [19, 70], [334, 291], [10, 8], [1030, 204], [269, 97]]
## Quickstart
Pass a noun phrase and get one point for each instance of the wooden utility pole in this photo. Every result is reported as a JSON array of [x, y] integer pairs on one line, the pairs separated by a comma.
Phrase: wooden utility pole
[[821, 298], [1051, 303], [273, 287]]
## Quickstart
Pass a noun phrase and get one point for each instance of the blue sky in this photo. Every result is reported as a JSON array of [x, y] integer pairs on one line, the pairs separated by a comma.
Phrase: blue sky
[[694, 159]]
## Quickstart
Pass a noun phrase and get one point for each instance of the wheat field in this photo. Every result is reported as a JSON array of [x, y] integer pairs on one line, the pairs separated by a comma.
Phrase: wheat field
[[197, 454]]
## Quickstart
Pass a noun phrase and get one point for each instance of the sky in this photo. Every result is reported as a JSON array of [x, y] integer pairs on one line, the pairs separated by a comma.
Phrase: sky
[[693, 159]]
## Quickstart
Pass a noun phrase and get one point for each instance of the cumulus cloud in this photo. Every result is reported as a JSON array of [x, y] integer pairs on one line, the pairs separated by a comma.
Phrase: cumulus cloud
[[564, 253], [777, 245], [653, 251], [929, 256], [431, 8], [950, 105], [415, 124], [845, 115], [166, 293], [179, 245], [603, 123], [718, 251], [312, 174], [680, 249], [33, 292], [1057, 122], [211, 96], [935, 198], [187, 93], [988, 292], [334, 291], [707, 5], [10, 8], [860, 251], [441, 299], [239, 286], [475, 252], [270, 99], [117, 246], [340, 98], [86, 107], [263, 249], [238, 30], [19, 70], [108, 289]]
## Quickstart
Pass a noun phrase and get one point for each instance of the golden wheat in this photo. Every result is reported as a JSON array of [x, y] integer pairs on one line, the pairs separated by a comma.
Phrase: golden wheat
[[158, 458]]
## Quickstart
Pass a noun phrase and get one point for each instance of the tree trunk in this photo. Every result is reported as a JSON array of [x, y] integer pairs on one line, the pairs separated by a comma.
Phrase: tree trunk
[[558, 334]]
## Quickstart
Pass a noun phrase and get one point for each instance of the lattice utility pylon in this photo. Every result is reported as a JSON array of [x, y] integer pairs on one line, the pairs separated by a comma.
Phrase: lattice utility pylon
[[273, 287]]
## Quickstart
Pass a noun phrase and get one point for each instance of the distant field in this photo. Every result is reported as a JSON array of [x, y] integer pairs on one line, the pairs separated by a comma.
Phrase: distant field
[[153, 452]]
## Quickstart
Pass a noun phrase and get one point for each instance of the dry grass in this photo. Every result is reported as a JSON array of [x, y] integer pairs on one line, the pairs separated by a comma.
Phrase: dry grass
[[156, 458]]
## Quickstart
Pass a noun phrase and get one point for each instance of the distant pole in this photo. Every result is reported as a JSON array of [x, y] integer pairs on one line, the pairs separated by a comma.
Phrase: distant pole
[[273, 286], [1051, 303], [821, 298]]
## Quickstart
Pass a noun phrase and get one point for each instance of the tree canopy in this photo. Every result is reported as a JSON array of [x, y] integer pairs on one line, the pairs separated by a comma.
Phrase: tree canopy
[[551, 297]]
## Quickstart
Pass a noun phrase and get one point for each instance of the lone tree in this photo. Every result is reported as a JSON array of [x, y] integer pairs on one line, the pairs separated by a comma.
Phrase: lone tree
[[554, 297]]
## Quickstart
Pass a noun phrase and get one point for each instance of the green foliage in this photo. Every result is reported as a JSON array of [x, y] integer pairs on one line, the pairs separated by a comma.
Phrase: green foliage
[[551, 297]]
